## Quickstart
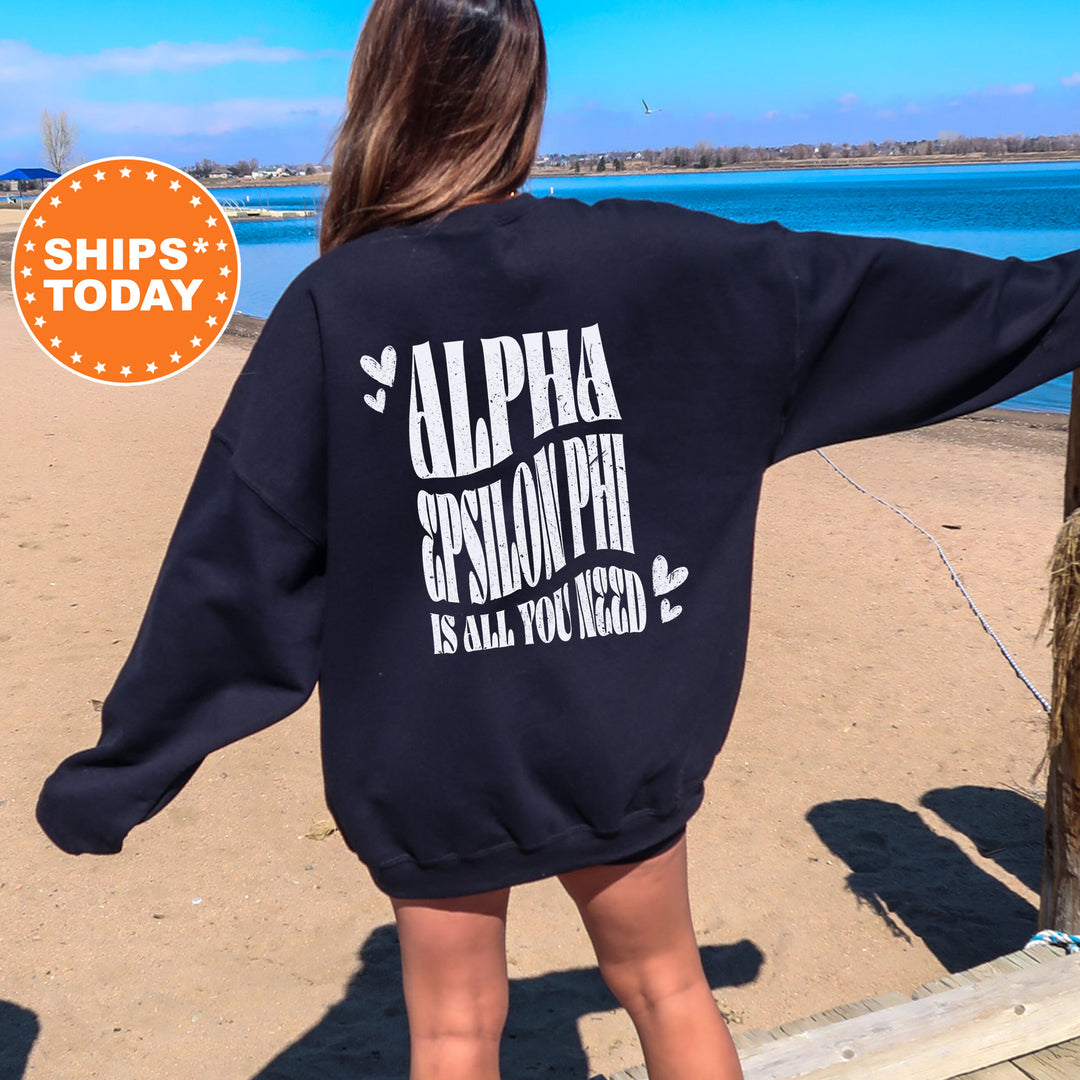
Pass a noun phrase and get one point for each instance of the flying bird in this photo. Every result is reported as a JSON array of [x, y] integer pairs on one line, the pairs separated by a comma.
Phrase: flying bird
[[648, 111]]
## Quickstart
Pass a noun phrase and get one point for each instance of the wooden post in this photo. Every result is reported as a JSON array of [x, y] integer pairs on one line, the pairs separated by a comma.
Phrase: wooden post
[[1060, 901]]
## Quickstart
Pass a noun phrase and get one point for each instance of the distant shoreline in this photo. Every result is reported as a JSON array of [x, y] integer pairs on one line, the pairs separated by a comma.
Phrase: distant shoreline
[[905, 161], [270, 181], [565, 172]]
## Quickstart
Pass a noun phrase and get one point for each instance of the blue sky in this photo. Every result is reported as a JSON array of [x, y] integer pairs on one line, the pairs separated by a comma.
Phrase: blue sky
[[265, 78]]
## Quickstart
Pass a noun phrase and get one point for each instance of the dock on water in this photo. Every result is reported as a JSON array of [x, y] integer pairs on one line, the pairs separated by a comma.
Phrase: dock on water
[[1014, 1018]]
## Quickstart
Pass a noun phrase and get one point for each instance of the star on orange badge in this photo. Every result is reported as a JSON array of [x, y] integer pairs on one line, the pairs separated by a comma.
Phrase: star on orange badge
[[125, 270]]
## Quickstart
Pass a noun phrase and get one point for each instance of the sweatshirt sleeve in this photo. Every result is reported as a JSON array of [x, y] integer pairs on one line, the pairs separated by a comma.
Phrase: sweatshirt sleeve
[[892, 335], [230, 640]]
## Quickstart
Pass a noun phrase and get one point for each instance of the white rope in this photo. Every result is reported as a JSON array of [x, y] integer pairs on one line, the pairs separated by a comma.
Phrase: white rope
[[959, 584]]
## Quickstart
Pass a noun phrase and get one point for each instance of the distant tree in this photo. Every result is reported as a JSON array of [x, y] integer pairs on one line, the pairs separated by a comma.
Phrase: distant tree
[[58, 138], [309, 169], [244, 168], [202, 169], [618, 164]]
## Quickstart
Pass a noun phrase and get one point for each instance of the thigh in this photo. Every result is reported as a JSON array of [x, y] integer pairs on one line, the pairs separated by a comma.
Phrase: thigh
[[637, 912], [453, 952]]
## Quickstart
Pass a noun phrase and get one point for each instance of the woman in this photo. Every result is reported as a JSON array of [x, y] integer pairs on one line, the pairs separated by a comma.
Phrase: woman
[[490, 478]]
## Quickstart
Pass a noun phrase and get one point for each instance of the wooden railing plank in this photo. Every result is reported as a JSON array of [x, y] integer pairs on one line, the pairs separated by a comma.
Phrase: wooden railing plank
[[937, 1037], [1055, 1063], [1006, 1070]]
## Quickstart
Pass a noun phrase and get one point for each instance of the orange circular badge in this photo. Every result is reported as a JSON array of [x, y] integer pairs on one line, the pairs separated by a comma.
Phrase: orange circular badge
[[125, 270]]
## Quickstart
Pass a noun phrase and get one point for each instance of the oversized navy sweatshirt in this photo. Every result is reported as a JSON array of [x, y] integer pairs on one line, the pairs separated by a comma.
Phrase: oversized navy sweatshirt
[[491, 482]]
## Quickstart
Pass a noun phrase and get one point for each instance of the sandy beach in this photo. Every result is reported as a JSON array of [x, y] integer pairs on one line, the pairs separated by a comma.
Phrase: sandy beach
[[872, 823]]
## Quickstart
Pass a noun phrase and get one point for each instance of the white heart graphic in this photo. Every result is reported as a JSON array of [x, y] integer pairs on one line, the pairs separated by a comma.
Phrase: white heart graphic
[[662, 581], [384, 372], [378, 402], [669, 613]]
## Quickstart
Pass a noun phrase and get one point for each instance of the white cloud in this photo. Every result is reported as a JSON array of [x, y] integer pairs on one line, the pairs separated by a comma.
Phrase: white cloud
[[213, 118], [772, 114], [1071, 80], [20, 61], [848, 101], [1012, 90]]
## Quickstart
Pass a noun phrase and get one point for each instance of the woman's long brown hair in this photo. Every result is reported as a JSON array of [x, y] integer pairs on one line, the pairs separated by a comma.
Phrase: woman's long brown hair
[[445, 104]]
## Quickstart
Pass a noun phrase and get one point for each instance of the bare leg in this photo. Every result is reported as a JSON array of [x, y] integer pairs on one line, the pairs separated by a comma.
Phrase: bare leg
[[453, 964], [638, 918]]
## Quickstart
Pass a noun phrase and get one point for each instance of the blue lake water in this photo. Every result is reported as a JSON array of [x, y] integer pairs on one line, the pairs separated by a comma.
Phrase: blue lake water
[[1030, 211]]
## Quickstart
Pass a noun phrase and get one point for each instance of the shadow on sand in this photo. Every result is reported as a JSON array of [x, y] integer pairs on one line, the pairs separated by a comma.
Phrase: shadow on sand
[[365, 1036], [1003, 825], [19, 1030], [901, 868]]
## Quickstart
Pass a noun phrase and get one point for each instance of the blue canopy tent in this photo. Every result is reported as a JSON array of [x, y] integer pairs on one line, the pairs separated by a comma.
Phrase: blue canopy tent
[[29, 174]]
